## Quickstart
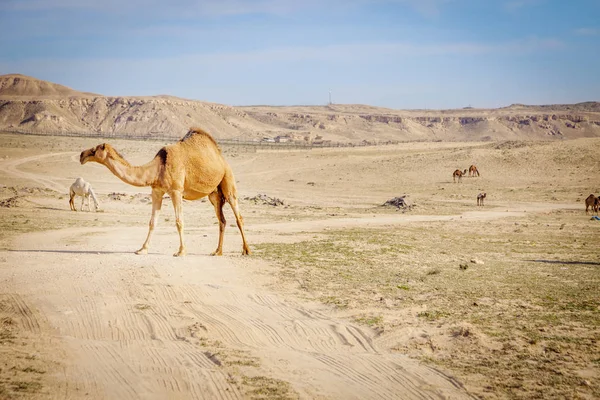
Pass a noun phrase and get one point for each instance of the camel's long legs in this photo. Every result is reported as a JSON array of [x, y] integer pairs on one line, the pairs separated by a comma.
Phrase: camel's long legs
[[177, 199], [157, 198], [240, 223], [217, 201]]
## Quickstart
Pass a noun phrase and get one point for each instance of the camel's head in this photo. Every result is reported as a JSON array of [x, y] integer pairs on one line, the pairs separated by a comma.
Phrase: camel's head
[[97, 154]]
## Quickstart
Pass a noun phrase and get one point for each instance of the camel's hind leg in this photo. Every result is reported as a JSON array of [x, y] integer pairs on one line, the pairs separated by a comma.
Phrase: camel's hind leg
[[216, 198], [232, 200], [228, 189], [157, 198], [72, 201]]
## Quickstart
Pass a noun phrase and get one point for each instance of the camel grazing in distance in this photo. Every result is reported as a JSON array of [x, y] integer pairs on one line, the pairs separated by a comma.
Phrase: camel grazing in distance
[[473, 170], [190, 169], [480, 198], [83, 189], [592, 202], [458, 174]]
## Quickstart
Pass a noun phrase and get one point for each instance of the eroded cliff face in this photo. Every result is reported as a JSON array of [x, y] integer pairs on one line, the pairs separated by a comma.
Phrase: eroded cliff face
[[447, 125], [122, 115], [31, 105]]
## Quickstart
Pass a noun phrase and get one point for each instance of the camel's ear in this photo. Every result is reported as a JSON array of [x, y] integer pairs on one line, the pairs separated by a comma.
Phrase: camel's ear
[[103, 146]]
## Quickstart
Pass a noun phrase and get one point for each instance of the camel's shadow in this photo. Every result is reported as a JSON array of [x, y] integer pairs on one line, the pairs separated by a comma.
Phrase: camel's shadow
[[566, 262], [55, 209], [71, 251], [101, 252]]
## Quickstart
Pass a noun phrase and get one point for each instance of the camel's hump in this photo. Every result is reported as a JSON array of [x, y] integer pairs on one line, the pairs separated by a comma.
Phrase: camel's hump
[[199, 134]]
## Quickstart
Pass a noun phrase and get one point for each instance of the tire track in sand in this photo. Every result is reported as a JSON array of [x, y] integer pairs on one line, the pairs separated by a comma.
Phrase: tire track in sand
[[133, 323], [11, 167]]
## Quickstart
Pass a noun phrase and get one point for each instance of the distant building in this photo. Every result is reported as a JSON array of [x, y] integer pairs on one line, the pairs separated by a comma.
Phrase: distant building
[[282, 139]]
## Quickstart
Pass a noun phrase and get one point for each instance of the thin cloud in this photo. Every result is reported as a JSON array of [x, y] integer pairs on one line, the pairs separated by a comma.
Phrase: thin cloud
[[361, 51], [198, 8], [519, 4], [587, 31]]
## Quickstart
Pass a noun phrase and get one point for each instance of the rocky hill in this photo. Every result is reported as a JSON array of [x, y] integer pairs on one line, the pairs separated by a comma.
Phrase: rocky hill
[[28, 104]]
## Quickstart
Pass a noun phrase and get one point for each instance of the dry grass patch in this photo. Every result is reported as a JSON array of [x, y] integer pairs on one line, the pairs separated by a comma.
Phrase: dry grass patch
[[523, 322]]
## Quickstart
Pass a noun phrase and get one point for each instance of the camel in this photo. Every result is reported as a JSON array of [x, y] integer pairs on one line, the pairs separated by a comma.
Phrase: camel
[[592, 202], [190, 169], [473, 170], [83, 189], [458, 174], [480, 198]]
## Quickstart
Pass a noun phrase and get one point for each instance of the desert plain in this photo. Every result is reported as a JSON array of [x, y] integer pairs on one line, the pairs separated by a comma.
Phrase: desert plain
[[342, 297]]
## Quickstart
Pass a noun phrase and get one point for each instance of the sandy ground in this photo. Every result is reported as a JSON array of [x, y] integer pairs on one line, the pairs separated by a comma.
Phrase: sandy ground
[[84, 317]]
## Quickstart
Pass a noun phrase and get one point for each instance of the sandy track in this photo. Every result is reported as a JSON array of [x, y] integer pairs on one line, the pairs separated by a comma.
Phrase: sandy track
[[11, 167], [131, 325]]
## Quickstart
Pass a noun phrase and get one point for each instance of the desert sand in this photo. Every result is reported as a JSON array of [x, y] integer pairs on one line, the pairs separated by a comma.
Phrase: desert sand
[[342, 298]]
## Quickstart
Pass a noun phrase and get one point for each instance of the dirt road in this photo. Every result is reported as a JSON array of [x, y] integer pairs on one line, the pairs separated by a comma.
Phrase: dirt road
[[134, 326]]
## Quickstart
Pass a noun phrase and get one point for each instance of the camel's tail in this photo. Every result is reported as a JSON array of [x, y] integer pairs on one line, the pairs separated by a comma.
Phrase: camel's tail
[[227, 186]]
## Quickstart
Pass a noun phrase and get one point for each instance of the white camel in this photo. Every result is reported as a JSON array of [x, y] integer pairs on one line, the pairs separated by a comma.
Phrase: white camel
[[83, 189]]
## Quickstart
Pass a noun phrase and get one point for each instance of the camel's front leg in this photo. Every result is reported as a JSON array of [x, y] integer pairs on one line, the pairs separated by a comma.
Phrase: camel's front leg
[[157, 197], [177, 199]]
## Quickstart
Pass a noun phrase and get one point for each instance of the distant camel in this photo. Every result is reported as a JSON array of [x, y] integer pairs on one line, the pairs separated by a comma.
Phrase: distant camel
[[473, 170], [458, 174], [83, 189], [189, 169], [592, 202], [480, 198]]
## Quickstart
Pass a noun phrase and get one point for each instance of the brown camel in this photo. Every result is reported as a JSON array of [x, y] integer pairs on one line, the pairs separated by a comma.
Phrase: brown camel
[[189, 169], [458, 174], [480, 198], [473, 170], [592, 202]]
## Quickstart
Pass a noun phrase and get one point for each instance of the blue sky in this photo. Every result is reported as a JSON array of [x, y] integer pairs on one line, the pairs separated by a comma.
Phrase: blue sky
[[390, 53]]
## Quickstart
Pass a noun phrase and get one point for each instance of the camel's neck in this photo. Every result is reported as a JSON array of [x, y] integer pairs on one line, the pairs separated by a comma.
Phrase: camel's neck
[[144, 175], [94, 197]]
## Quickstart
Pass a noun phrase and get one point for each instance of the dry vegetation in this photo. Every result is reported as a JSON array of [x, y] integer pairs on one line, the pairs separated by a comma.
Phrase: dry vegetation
[[510, 306], [504, 297]]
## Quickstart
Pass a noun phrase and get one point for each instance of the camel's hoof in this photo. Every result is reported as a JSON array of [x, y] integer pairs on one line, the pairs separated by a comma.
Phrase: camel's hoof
[[179, 254], [216, 253], [141, 251], [246, 252]]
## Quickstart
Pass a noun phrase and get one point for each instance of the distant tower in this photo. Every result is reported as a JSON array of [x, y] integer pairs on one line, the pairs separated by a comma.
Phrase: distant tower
[[329, 97]]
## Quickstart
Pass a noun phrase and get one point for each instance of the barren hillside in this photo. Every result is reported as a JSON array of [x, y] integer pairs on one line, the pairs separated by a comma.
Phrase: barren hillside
[[29, 104]]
